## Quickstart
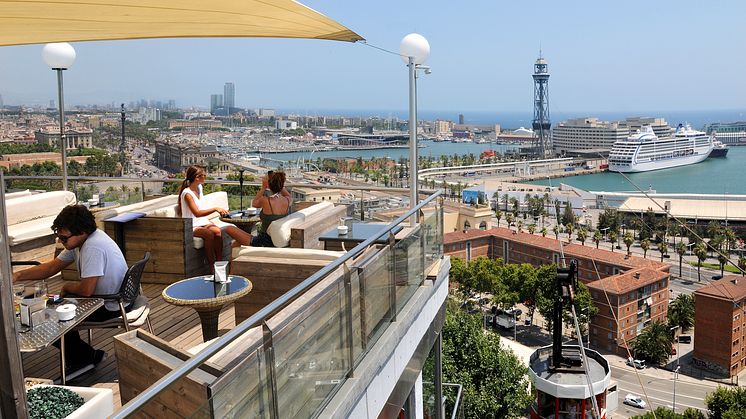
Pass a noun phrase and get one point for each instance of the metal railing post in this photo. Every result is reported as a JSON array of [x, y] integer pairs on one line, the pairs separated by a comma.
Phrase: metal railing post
[[13, 395], [348, 323], [392, 278], [269, 356], [439, 408]]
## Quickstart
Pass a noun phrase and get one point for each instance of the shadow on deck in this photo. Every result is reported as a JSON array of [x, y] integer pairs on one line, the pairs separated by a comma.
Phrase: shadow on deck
[[177, 325]]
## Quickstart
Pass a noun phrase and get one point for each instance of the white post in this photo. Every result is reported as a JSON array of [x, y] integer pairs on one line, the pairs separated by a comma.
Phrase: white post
[[63, 138], [413, 196]]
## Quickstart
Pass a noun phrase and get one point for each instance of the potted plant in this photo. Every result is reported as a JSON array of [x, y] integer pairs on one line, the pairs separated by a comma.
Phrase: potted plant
[[51, 401]]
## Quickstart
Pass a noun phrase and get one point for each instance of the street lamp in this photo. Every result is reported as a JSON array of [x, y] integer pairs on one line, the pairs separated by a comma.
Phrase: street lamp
[[414, 50], [675, 377], [60, 56]]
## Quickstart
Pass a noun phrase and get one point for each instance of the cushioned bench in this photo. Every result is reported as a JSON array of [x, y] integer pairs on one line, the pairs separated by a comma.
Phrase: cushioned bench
[[29, 218]]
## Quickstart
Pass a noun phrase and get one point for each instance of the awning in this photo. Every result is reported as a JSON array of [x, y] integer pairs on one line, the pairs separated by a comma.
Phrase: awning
[[39, 22]]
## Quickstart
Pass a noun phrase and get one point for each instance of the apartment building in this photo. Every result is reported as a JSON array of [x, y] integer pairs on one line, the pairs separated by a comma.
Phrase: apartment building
[[626, 304], [637, 288], [585, 135], [720, 326]]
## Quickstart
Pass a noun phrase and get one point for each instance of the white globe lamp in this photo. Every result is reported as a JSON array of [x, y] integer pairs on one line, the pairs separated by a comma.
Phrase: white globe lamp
[[416, 46], [59, 55]]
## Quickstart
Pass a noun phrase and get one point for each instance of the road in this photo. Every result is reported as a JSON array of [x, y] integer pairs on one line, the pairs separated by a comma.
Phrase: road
[[659, 388]]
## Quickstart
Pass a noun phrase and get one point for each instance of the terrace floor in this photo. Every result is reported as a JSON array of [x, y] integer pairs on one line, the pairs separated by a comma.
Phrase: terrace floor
[[178, 325]]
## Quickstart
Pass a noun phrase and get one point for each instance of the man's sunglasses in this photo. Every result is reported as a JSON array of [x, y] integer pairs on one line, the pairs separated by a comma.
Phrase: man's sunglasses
[[64, 239]]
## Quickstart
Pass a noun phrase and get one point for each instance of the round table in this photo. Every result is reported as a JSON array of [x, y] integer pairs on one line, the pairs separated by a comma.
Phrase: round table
[[245, 223], [207, 298]]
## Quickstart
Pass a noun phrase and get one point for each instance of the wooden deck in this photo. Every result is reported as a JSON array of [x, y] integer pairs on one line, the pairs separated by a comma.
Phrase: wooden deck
[[178, 325]]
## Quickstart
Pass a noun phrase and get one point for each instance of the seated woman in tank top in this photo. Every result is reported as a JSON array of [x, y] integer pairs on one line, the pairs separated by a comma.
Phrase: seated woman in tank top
[[191, 206], [274, 205]]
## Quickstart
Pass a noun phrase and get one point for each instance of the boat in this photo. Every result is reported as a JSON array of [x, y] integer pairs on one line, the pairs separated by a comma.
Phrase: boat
[[644, 151], [718, 149]]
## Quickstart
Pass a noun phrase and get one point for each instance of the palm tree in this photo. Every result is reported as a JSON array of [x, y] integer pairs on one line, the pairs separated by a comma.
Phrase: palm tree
[[663, 248], [569, 228], [597, 238], [543, 232], [654, 343], [612, 239], [681, 312], [509, 219], [701, 251], [681, 250], [498, 215], [582, 236], [722, 260], [645, 245], [742, 265], [531, 228], [556, 231], [628, 241], [505, 201], [520, 225]]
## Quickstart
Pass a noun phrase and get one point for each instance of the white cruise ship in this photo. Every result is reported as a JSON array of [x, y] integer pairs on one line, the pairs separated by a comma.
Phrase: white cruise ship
[[644, 151]]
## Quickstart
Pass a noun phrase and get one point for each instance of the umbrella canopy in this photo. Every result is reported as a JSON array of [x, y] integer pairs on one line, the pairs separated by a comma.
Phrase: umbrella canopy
[[38, 22]]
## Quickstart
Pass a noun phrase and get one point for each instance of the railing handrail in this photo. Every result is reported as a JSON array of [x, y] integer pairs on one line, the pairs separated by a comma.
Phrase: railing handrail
[[457, 402], [218, 182], [258, 317]]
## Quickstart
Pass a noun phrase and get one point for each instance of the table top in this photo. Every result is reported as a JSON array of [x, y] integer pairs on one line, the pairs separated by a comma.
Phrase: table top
[[359, 232], [46, 333], [125, 218], [202, 292]]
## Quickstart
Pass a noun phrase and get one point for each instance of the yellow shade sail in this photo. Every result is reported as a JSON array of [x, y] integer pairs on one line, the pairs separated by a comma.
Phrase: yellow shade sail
[[39, 22]]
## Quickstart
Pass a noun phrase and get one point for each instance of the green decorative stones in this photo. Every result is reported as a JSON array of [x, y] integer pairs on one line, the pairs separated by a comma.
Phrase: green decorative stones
[[52, 402]]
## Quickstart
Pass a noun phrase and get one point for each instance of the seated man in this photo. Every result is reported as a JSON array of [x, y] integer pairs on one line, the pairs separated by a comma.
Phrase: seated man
[[101, 266]]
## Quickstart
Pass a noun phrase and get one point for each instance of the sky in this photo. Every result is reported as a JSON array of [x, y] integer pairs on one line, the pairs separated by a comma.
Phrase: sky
[[630, 56]]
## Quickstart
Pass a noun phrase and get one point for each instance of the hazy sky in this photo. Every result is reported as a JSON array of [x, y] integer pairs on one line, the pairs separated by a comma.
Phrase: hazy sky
[[603, 56]]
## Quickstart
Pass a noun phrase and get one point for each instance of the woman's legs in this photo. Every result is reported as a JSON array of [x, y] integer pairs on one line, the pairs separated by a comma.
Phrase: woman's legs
[[217, 244], [240, 237], [209, 237]]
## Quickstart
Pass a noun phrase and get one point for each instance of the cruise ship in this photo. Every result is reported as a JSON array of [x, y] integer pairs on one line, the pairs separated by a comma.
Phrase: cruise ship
[[645, 151]]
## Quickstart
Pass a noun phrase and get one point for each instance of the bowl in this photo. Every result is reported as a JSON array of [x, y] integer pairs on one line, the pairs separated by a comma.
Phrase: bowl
[[250, 211], [342, 230]]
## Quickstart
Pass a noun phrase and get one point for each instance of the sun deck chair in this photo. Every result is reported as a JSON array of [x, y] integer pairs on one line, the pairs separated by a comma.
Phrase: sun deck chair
[[130, 292]]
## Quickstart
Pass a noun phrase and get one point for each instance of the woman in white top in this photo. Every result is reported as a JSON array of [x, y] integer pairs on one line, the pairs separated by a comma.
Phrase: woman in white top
[[190, 206]]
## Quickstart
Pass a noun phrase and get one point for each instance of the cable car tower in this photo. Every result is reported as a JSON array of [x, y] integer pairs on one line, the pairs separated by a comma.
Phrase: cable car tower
[[542, 142]]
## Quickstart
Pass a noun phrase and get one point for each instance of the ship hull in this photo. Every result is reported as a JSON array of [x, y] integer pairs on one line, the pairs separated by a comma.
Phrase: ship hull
[[657, 165]]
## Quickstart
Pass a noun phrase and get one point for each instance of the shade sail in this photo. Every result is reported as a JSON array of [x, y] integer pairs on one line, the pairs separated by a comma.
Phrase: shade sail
[[38, 22]]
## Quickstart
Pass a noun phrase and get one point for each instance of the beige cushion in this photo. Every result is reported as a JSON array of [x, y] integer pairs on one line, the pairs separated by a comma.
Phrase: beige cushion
[[18, 194], [279, 230], [30, 230], [145, 206], [285, 253], [33, 207]]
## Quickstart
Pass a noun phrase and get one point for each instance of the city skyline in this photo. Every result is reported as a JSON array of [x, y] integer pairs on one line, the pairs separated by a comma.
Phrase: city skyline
[[482, 58]]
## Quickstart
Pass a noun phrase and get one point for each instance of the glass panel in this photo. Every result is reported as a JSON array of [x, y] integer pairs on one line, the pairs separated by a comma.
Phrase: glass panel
[[375, 295], [311, 350], [433, 234], [356, 317], [408, 269], [241, 393]]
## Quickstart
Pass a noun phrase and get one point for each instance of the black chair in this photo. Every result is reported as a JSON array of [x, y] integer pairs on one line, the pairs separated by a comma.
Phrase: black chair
[[129, 293]]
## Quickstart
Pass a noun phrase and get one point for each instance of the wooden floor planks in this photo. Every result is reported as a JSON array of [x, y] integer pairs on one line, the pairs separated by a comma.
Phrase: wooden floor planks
[[178, 325]]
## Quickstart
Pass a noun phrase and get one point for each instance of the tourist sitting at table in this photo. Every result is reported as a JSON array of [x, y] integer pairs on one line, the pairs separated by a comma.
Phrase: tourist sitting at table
[[275, 202], [191, 205], [101, 266]]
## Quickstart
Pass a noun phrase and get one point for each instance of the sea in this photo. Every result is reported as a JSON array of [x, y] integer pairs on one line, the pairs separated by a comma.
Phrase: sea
[[712, 176]]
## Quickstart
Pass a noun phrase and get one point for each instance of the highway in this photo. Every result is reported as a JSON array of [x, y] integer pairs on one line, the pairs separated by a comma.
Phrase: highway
[[659, 388]]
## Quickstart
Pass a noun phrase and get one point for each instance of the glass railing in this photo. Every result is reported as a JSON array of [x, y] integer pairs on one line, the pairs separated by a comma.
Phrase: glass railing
[[313, 337], [120, 191]]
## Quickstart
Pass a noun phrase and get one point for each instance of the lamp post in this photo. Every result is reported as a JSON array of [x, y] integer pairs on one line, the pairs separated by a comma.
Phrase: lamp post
[[675, 377], [414, 50], [240, 186], [60, 56]]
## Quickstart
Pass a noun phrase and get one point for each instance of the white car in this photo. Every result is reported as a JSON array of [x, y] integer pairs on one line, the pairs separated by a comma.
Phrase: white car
[[635, 401]]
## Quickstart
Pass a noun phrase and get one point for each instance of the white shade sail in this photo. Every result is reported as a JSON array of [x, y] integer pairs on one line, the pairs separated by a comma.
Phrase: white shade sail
[[37, 22]]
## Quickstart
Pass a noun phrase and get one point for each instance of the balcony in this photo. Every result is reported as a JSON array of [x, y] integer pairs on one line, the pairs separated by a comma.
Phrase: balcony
[[348, 341]]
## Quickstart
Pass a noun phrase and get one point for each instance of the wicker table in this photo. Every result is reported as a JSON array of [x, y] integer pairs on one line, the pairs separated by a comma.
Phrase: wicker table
[[207, 298], [50, 330], [244, 222]]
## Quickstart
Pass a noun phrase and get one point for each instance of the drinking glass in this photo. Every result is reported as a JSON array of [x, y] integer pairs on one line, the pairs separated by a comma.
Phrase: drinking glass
[[17, 297], [40, 289]]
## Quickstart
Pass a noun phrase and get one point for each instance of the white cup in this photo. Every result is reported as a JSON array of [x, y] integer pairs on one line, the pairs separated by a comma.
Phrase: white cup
[[342, 230]]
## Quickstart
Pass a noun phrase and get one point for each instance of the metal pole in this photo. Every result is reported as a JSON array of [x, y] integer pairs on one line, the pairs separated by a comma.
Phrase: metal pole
[[439, 411], [413, 197], [12, 391], [515, 327], [121, 146], [675, 376], [63, 138]]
